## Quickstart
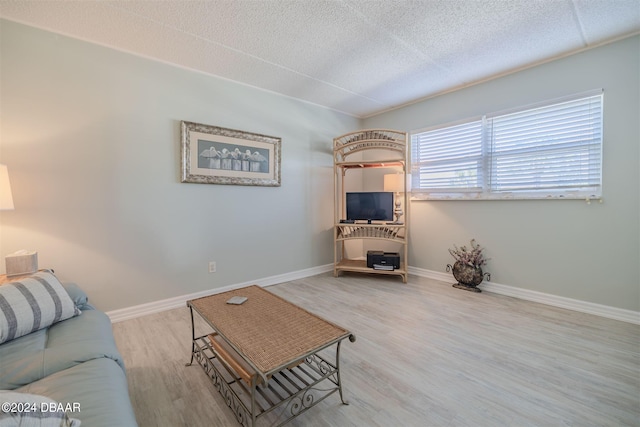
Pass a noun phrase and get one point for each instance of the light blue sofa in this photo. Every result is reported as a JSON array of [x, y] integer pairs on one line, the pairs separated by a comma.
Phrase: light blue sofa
[[74, 361]]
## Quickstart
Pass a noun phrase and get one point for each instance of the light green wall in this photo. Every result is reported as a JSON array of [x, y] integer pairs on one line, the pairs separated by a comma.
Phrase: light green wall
[[91, 137], [92, 140], [565, 248]]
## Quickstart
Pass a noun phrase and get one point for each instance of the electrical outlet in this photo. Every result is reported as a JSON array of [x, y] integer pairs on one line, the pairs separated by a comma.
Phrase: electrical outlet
[[212, 267]]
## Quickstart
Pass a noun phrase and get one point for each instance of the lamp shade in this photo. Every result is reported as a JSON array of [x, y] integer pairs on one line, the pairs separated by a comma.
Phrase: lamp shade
[[393, 182], [6, 199]]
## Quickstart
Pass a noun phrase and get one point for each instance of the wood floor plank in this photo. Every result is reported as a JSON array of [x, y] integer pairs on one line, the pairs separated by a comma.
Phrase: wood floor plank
[[426, 354]]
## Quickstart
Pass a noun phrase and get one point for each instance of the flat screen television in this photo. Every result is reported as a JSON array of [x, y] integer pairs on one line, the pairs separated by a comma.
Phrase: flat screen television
[[376, 206]]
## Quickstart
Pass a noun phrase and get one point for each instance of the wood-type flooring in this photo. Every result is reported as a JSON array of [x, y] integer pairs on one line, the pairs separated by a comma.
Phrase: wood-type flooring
[[426, 354]]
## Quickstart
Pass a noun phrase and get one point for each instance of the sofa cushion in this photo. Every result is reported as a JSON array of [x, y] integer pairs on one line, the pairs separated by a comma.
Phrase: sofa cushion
[[33, 303], [61, 346], [98, 386], [78, 296], [31, 410]]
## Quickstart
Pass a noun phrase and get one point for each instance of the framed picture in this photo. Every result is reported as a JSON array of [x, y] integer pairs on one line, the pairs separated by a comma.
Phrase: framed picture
[[215, 155]]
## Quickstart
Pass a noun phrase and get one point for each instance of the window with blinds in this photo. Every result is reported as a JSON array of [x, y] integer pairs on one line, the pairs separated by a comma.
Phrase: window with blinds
[[551, 150]]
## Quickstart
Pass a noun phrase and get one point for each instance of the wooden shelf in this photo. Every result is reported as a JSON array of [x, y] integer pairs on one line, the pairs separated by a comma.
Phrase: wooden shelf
[[394, 232], [376, 164], [390, 150], [360, 266], [390, 141]]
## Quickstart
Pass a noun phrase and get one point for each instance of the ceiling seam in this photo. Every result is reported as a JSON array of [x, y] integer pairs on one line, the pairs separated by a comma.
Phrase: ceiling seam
[[410, 43], [500, 75], [244, 53], [576, 17], [397, 39]]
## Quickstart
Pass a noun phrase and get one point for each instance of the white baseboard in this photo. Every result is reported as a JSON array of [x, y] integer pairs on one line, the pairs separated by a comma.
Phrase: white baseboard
[[525, 294], [529, 295], [180, 301]]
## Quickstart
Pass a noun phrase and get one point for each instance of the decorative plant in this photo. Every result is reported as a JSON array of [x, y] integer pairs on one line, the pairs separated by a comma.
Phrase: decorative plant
[[473, 257]]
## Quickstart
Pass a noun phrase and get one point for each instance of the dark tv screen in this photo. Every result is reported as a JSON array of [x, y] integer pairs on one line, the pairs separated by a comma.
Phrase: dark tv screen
[[376, 206]]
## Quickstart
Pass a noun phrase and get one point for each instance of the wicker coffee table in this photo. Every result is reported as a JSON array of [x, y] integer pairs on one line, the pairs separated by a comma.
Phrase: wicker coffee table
[[269, 358]]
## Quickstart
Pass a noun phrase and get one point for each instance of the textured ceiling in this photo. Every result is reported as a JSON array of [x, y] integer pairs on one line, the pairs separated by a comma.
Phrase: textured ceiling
[[361, 57]]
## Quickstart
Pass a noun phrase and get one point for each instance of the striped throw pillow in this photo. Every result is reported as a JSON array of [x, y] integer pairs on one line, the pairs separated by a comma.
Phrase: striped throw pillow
[[33, 303]]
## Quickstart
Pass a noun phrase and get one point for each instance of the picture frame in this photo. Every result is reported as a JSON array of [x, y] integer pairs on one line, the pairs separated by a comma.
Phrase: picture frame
[[216, 155]]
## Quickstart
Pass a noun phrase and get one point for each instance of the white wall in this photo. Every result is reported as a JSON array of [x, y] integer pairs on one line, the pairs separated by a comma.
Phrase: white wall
[[565, 248], [92, 140]]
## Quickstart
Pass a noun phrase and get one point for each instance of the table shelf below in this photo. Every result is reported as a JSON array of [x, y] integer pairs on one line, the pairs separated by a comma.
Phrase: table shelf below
[[360, 266]]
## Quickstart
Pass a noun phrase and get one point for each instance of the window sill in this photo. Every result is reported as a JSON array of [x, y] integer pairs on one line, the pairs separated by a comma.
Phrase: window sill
[[418, 196]]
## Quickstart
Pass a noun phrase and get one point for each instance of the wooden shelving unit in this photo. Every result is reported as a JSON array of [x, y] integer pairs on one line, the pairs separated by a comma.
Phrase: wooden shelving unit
[[389, 149]]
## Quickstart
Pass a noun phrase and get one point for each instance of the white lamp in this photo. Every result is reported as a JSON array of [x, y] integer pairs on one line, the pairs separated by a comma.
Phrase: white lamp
[[6, 199], [395, 182]]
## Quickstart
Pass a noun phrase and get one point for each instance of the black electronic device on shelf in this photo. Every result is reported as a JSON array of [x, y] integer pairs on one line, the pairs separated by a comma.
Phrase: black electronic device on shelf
[[370, 206], [380, 260]]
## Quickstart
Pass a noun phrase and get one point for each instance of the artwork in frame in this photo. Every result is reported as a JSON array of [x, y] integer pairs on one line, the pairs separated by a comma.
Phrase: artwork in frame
[[215, 155]]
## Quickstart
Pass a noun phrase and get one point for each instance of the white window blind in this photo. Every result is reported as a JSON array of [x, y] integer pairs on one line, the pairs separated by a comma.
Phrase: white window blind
[[550, 150], [451, 157]]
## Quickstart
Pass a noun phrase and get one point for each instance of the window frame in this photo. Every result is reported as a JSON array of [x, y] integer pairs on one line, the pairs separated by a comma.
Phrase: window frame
[[483, 190]]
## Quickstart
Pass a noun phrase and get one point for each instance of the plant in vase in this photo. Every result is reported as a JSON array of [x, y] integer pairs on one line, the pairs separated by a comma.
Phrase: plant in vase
[[467, 269]]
